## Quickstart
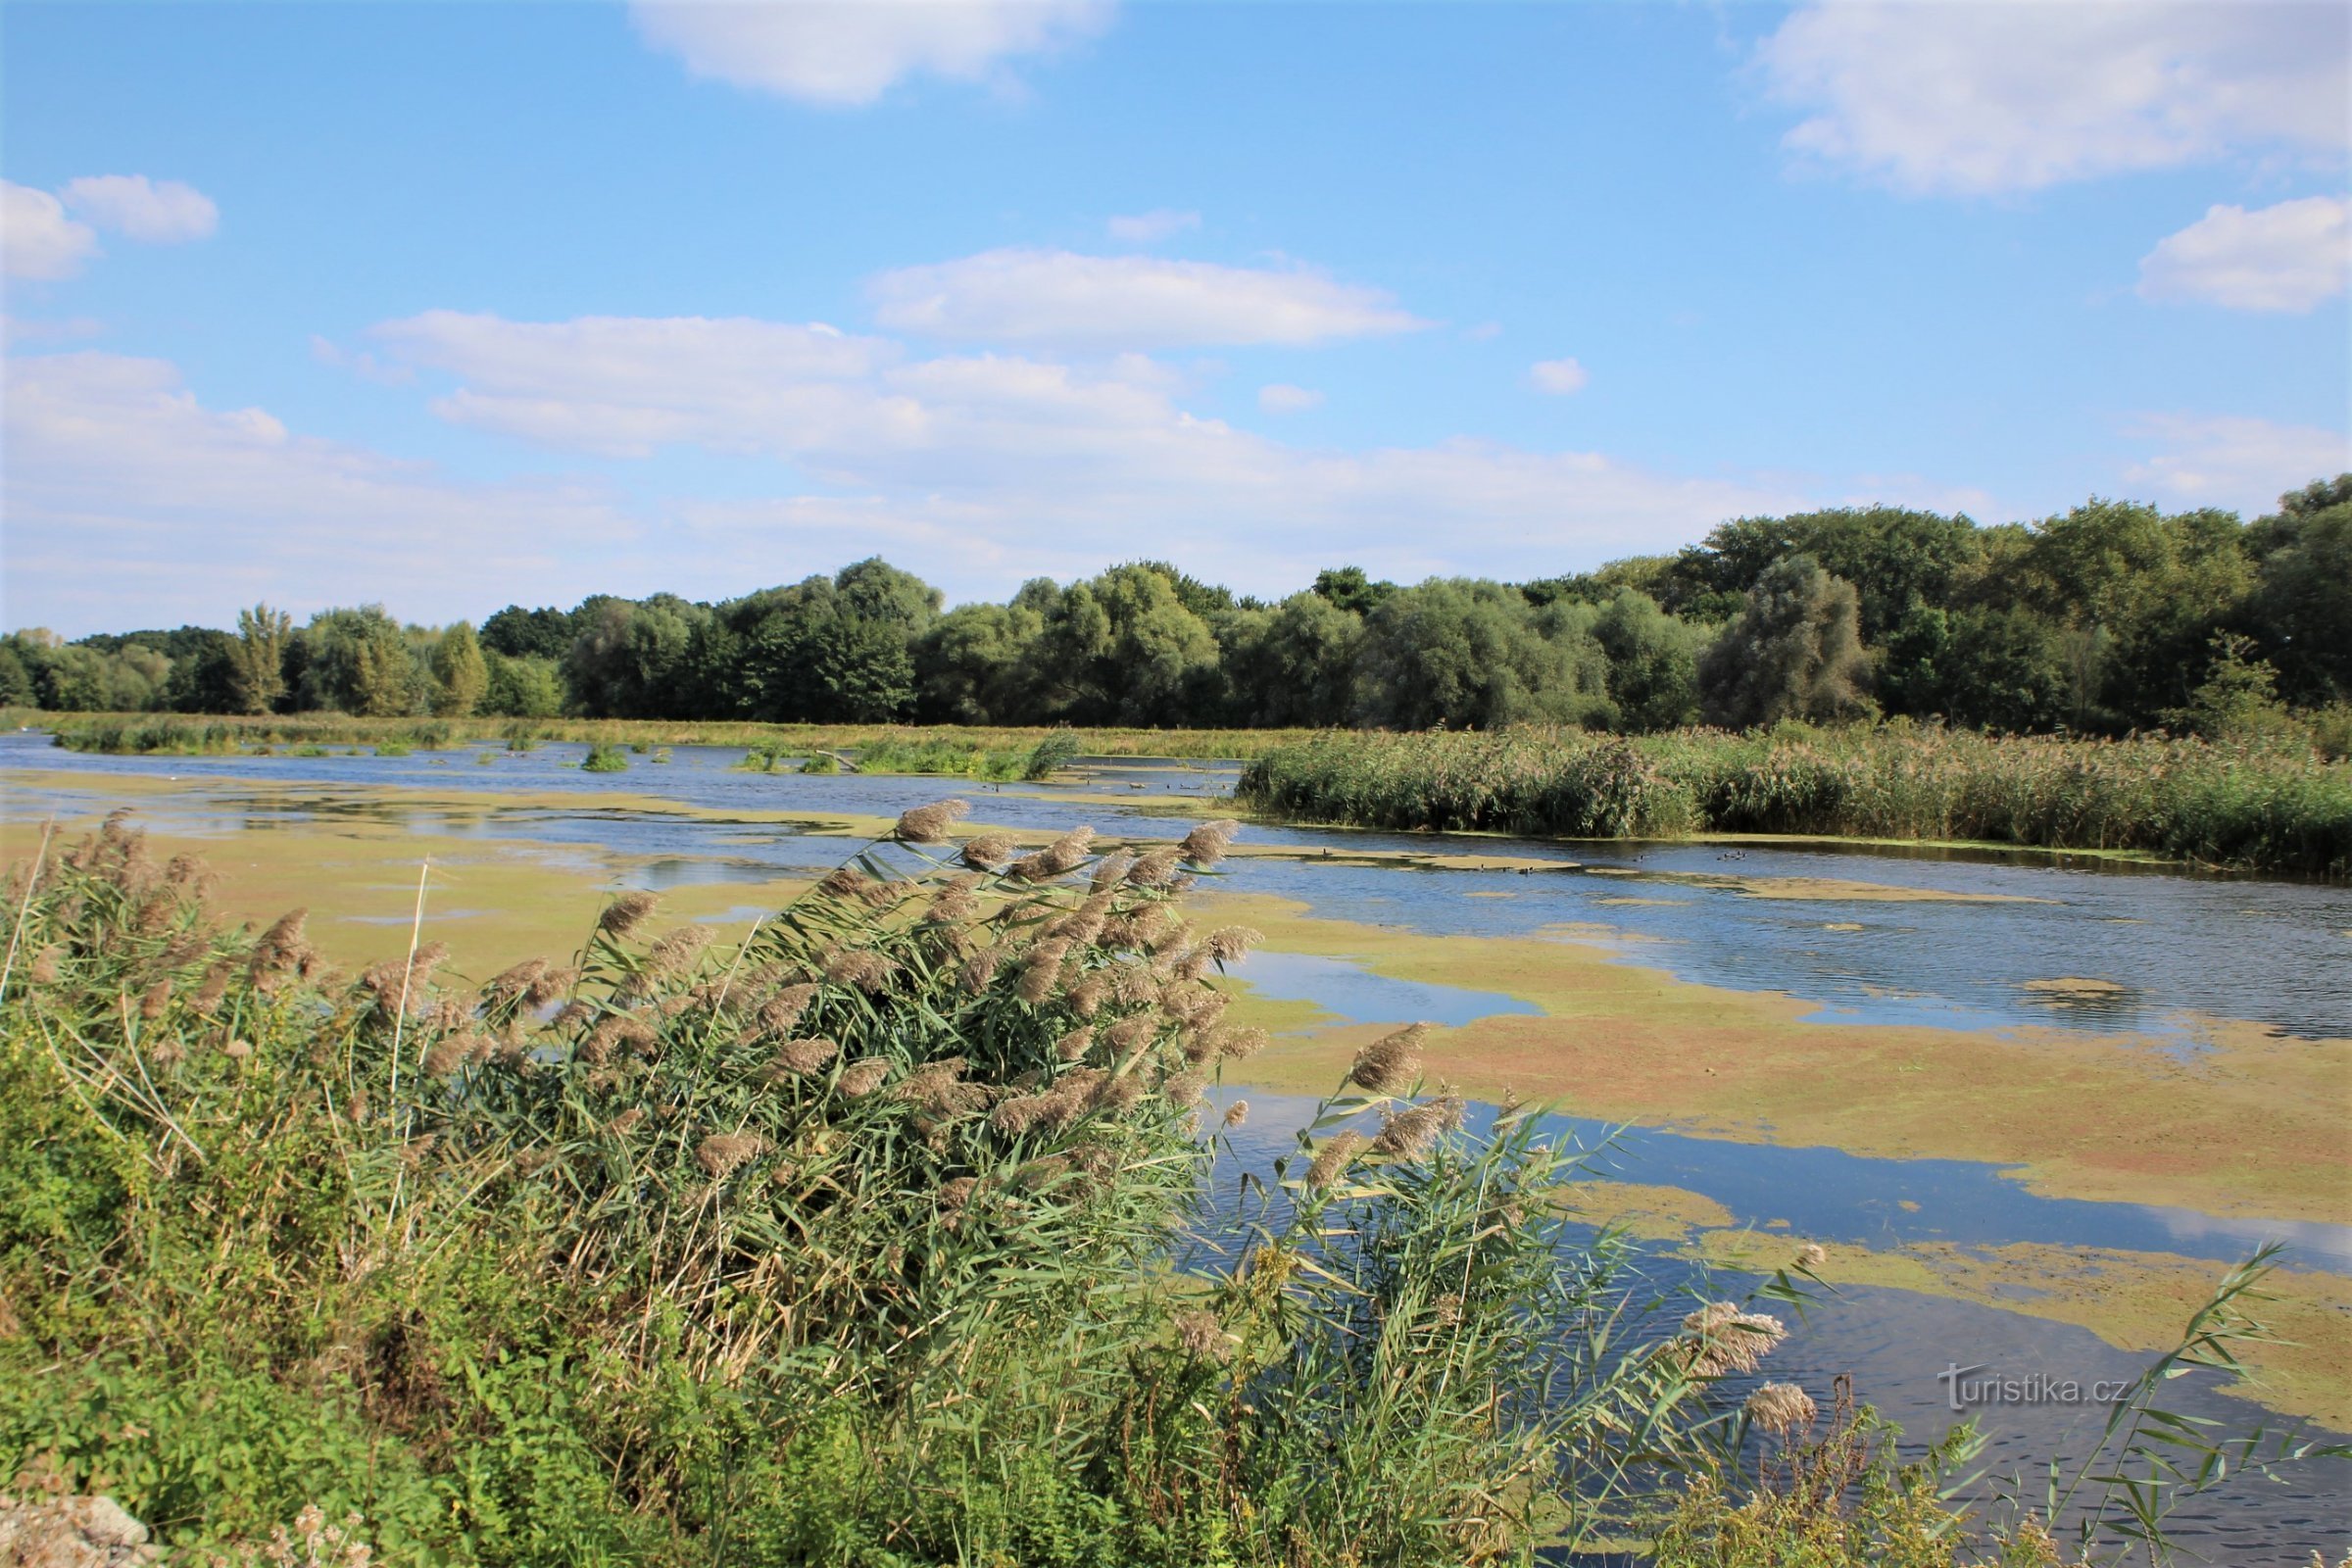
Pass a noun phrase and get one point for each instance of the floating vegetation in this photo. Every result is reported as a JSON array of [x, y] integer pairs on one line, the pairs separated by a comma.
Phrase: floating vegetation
[[604, 758]]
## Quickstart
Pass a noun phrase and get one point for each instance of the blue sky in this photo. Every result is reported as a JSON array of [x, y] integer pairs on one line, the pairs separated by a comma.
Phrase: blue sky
[[449, 305]]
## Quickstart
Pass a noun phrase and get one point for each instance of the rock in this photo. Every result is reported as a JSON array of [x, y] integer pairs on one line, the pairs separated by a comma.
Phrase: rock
[[69, 1532]]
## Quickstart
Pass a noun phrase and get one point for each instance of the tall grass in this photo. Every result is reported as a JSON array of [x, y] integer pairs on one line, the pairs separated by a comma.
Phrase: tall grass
[[197, 735], [2269, 810], [844, 1243]]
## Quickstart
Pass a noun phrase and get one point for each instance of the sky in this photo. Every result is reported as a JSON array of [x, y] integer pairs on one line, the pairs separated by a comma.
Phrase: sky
[[453, 305]]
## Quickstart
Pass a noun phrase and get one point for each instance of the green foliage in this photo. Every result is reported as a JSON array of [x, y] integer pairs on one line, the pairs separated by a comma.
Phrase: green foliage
[[1794, 651], [460, 676], [1653, 661], [356, 662], [522, 686], [2276, 809], [258, 667], [1474, 654], [605, 757]]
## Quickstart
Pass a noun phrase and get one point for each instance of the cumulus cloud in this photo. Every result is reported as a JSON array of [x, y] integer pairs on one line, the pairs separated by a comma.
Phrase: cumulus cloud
[[1281, 398], [993, 467], [1557, 376], [846, 53], [1981, 97], [2235, 462], [37, 240], [1059, 299], [194, 510], [2284, 257], [1149, 228], [164, 212]]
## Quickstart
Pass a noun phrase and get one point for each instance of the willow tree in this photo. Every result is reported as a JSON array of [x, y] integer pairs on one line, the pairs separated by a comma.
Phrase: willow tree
[[1794, 651]]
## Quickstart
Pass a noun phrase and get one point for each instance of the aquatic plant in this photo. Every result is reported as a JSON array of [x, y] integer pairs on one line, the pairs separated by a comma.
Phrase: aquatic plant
[[2263, 808], [605, 757]]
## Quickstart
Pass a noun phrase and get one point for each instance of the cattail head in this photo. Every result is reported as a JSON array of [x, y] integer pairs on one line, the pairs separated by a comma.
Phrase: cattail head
[[1236, 1115], [988, 852], [1334, 1158], [723, 1154], [627, 914], [1390, 1064], [864, 1076], [796, 1057], [1204, 845], [1782, 1408], [929, 824]]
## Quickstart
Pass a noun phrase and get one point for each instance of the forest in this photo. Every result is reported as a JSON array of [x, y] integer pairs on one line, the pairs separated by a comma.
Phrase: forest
[[2113, 618]]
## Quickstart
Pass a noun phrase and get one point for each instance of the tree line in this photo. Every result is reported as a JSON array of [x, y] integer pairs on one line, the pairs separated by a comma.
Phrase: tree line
[[2114, 616]]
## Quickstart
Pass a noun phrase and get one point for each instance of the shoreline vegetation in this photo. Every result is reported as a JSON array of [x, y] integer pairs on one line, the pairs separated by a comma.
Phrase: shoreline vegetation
[[850, 1244], [2237, 805], [228, 735]]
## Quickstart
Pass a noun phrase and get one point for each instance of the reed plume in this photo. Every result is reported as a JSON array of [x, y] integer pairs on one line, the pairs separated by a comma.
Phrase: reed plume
[[1390, 1064], [1781, 1408], [624, 914], [929, 824]]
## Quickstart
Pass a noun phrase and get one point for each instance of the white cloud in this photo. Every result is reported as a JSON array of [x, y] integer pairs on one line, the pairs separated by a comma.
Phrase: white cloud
[[154, 211], [1149, 228], [1557, 376], [1985, 96], [844, 53], [1281, 398], [1060, 299], [2284, 257], [2234, 462], [130, 503], [37, 240], [984, 469]]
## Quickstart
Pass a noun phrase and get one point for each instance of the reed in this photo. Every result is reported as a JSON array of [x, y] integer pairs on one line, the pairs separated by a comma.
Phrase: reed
[[2281, 808], [832, 1245], [199, 735]]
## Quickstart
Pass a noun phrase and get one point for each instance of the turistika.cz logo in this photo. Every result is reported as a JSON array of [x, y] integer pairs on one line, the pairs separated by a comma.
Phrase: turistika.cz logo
[[1964, 1392]]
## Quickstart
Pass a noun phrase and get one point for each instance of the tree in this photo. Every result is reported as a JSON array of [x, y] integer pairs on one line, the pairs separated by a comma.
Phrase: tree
[[629, 658], [2239, 699], [1469, 652], [16, 680], [968, 665], [257, 676], [206, 679], [357, 661], [1653, 661], [1296, 664], [521, 633], [1348, 588], [1121, 648], [521, 688], [1794, 651], [2302, 603], [460, 676]]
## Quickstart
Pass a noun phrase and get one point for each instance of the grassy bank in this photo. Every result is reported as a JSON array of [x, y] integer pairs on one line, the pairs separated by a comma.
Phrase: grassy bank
[[847, 1245], [2281, 810], [204, 734]]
